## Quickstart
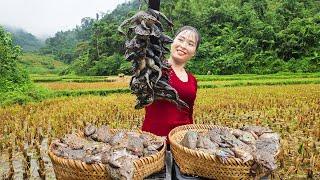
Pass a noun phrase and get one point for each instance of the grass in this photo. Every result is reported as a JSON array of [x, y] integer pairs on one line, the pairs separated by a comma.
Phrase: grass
[[73, 85], [41, 64], [256, 77], [291, 110], [72, 78], [79, 85], [235, 83]]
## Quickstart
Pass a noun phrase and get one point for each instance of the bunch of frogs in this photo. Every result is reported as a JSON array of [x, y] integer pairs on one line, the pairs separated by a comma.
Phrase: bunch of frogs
[[116, 150], [146, 49], [248, 143]]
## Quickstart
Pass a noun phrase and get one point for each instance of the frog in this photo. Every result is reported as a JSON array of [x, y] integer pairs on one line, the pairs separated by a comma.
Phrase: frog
[[89, 130], [102, 134], [190, 139], [117, 138], [214, 135], [247, 138], [223, 154], [258, 130], [245, 156], [91, 159], [135, 145], [73, 141], [205, 142], [267, 148]]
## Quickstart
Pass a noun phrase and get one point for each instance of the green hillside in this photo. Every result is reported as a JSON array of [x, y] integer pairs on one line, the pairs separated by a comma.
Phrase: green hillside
[[27, 41], [40, 64], [238, 37]]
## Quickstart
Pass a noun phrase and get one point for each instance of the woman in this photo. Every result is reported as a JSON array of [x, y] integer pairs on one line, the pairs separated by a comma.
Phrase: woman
[[162, 116]]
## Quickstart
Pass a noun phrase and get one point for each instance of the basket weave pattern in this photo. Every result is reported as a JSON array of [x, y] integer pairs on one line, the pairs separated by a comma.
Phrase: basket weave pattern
[[69, 169], [202, 164]]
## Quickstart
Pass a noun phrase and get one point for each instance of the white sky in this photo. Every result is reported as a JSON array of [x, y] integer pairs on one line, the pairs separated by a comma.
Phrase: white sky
[[45, 17]]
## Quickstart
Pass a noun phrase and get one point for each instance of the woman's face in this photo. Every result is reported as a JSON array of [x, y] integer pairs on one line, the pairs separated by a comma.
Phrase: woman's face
[[184, 46]]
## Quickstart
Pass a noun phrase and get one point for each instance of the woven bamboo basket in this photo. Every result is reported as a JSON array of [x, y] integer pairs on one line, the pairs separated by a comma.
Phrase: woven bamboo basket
[[202, 164], [69, 169]]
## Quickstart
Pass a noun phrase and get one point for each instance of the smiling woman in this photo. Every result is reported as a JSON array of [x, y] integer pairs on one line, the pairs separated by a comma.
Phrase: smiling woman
[[162, 115], [183, 49]]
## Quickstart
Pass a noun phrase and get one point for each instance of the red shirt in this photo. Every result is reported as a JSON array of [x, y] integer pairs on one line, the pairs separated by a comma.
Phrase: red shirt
[[162, 116]]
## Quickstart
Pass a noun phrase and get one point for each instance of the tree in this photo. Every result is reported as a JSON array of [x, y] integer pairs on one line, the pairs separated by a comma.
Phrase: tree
[[11, 75], [15, 85]]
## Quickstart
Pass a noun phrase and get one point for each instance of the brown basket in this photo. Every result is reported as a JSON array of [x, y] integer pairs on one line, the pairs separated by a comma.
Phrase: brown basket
[[69, 169], [202, 164]]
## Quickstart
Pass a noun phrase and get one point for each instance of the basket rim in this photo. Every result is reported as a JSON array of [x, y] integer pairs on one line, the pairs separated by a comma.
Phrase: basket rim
[[100, 167], [200, 154]]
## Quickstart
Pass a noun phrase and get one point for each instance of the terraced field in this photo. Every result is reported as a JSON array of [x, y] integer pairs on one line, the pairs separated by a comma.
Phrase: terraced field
[[293, 110]]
